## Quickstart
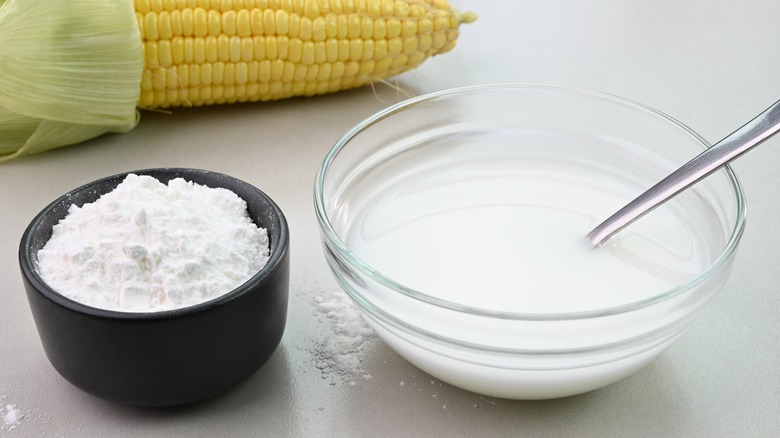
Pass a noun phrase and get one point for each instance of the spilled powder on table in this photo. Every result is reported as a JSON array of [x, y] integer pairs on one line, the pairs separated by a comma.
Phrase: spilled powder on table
[[346, 339], [12, 416], [340, 355]]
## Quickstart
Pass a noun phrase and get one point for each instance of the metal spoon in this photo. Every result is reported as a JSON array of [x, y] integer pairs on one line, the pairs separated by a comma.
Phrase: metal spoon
[[732, 146]]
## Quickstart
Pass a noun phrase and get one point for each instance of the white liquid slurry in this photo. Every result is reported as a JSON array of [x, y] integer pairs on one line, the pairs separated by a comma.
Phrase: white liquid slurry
[[494, 227]]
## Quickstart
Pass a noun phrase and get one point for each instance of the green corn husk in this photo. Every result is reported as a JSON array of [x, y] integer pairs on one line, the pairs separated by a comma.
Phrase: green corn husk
[[69, 71]]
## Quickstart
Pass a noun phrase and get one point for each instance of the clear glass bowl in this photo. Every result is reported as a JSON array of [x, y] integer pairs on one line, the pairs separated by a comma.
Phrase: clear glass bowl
[[456, 222]]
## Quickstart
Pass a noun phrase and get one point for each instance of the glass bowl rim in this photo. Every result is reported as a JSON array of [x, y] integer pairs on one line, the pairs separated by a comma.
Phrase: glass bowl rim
[[335, 242]]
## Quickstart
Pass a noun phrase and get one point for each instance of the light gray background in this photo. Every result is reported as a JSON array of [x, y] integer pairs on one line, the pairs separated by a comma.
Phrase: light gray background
[[712, 64]]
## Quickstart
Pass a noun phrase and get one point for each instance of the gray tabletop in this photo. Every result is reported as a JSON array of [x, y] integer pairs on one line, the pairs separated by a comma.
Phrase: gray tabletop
[[712, 64]]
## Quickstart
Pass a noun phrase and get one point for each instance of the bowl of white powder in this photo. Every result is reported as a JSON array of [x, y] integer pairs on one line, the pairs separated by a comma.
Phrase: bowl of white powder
[[456, 221], [158, 287]]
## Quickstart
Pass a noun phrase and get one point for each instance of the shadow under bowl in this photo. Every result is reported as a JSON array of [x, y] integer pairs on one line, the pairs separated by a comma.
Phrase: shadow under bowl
[[168, 357]]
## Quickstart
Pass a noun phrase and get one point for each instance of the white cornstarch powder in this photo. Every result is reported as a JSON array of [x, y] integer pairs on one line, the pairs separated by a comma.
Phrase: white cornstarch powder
[[12, 417], [147, 246], [348, 338]]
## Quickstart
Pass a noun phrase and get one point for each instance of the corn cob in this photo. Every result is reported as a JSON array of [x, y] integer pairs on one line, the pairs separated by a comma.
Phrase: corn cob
[[206, 52], [88, 64]]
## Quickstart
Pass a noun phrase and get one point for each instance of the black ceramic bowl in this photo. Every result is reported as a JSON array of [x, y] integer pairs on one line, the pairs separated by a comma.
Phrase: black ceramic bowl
[[168, 357]]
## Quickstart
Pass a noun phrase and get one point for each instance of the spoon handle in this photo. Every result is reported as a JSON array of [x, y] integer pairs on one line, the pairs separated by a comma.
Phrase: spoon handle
[[732, 146]]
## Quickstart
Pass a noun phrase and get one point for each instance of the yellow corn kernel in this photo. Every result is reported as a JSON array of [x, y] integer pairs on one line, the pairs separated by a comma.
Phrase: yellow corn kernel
[[307, 53], [164, 26], [139, 18], [299, 75], [373, 7], [171, 79], [295, 51], [401, 9], [416, 11], [142, 7], [256, 21], [200, 22], [368, 50], [269, 22], [211, 49], [324, 72], [426, 42], [205, 74], [271, 48], [217, 92], [183, 76], [150, 54], [247, 50], [331, 26], [337, 7], [410, 45], [319, 32], [380, 29], [214, 23], [394, 47], [229, 22], [439, 40], [399, 61], [382, 66], [282, 22], [354, 26], [253, 92], [298, 88], [244, 23], [367, 27], [164, 55], [187, 22], [277, 69], [176, 25], [156, 5], [282, 46], [366, 68], [158, 79], [355, 50], [311, 73], [265, 71], [393, 28], [408, 28], [388, 7], [415, 59], [194, 76], [223, 48], [194, 50], [337, 70], [146, 80], [288, 72], [342, 26], [150, 26], [200, 52], [241, 73], [294, 25], [229, 94], [253, 72], [229, 77], [311, 9], [332, 50], [259, 43]]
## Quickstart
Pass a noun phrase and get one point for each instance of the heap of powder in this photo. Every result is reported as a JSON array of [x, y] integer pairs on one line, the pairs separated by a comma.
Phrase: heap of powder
[[147, 246], [341, 353], [12, 417]]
